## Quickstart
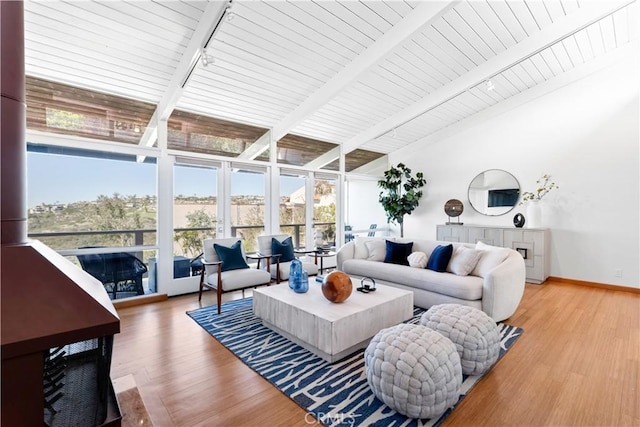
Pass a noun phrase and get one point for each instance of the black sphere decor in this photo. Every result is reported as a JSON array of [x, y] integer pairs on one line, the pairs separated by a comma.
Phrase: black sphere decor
[[518, 220]]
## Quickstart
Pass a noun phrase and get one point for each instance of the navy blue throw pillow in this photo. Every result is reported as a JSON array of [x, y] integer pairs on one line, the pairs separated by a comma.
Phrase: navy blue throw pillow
[[440, 258], [231, 257], [284, 249], [397, 253]]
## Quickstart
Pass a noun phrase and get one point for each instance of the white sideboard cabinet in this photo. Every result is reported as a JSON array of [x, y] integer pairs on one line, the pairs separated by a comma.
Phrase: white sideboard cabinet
[[532, 243]]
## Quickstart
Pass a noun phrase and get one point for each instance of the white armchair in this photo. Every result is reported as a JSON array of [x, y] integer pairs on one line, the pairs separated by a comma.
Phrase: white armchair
[[279, 269], [229, 273]]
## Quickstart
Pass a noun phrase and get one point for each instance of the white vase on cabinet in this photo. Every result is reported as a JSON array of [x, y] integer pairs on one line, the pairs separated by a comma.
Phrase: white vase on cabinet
[[534, 214]]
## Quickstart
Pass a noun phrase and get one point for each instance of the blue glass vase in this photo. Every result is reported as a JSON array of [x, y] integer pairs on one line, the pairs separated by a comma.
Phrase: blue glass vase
[[295, 270], [302, 283], [298, 278]]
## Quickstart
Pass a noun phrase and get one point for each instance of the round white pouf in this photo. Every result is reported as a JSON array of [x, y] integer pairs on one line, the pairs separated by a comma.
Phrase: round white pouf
[[414, 370], [474, 333]]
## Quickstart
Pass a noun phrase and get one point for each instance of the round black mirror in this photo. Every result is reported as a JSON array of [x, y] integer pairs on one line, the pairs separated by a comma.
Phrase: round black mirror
[[494, 192]]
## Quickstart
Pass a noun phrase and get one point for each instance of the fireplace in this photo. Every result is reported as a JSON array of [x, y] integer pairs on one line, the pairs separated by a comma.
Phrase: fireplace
[[57, 339], [76, 383]]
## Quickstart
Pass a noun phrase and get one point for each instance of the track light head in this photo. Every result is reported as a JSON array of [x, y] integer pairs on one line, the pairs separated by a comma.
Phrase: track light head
[[206, 58], [490, 85]]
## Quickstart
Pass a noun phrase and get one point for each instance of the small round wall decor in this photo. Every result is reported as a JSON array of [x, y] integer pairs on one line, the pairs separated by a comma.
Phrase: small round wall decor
[[518, 220]]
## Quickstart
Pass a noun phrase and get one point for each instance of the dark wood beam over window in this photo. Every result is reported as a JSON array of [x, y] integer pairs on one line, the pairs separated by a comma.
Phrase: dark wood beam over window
[[63, 109]]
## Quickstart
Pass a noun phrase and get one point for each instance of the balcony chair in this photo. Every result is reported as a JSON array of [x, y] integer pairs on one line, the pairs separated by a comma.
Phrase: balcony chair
[[225, 268], [119, 272], [279, 247]]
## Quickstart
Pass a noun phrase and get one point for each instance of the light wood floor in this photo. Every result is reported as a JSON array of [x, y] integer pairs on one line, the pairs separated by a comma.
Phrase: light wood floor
[[577, 364]]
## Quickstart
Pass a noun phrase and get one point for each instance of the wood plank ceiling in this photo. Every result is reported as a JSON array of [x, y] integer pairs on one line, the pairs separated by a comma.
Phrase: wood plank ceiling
[[368, 75]]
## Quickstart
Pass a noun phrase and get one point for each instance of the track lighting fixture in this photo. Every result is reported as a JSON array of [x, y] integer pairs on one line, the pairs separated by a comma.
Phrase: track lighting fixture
[[490, 85], [206, 58]]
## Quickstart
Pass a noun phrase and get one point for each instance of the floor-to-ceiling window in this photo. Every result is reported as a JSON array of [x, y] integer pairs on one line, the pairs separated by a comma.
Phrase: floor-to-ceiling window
[[195, 216], [247, 204], [362, 210], [195, 208], [89, 205], [324, 210], [292, 209], [65, 122]]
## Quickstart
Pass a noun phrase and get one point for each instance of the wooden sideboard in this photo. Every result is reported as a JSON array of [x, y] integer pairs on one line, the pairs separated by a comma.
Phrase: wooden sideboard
[[532, 243]]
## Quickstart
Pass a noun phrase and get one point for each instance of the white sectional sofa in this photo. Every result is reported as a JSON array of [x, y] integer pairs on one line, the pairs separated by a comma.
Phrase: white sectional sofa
[[495, 284]]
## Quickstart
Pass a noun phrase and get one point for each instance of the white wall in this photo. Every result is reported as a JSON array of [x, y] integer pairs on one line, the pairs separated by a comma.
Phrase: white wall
[[586, 136]]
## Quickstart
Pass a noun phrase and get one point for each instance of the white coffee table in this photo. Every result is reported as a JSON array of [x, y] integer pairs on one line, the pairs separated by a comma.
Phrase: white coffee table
[[332, 331]]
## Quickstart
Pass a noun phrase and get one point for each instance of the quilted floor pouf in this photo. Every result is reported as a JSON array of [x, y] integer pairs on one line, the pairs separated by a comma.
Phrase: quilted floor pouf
[[474, 333], [414, 370]]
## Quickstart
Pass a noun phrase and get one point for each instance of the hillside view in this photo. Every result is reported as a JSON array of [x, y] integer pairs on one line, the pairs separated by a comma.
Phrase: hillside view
[[120, 220]]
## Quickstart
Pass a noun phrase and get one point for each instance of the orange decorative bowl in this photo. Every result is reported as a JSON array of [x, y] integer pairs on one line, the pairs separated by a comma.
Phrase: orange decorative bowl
[[336, 286]]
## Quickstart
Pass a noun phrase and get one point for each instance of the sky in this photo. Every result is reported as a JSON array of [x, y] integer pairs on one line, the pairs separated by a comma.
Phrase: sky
[[65, 179]]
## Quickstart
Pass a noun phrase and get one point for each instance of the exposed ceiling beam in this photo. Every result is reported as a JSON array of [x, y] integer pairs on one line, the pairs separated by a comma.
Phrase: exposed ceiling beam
[[424, 14], [258, 147], [209, 22], [324, 159], [589, 13]]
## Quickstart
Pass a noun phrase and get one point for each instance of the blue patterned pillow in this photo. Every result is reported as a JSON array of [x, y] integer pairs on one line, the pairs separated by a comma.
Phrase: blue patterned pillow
[[397, 253], [231, 257], [284, 249], [439, 258]]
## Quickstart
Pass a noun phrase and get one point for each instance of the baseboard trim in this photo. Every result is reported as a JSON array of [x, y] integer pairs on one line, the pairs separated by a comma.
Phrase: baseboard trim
[[141, 300], [595, 285]]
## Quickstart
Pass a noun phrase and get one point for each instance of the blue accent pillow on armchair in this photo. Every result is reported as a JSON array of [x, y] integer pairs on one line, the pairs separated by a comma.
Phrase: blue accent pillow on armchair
[[284, 249], [440, 258], [397, 253], [231, 257]]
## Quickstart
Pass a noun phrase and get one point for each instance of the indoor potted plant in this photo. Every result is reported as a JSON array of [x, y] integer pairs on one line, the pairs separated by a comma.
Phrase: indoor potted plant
[[401, 194]]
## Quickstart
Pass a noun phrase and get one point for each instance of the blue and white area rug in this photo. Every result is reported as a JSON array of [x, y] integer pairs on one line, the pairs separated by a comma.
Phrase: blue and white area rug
[[335, 394]]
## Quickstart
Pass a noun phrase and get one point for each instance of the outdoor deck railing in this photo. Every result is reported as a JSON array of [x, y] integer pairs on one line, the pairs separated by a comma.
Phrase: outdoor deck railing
[[137, 237], [75, 243]]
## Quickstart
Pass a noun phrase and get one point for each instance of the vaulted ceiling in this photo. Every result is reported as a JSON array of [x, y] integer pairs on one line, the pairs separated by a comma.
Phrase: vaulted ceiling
[[367, 75]]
